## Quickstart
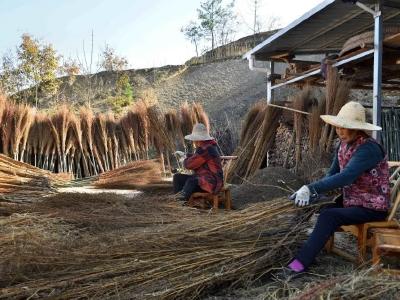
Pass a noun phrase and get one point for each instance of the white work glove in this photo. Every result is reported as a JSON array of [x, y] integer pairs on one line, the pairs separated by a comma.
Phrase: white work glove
[[180, 155], [302, 196]]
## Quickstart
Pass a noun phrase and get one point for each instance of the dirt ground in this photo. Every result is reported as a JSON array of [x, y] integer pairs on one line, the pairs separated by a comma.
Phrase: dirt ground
[[266, 184]]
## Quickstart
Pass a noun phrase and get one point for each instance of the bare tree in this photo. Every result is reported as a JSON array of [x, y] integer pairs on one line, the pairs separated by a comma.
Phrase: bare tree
[[194, 34]]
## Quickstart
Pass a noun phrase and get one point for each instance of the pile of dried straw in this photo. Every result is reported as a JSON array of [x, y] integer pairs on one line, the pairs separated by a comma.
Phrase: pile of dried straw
[[192, 254], [362, 284], [23, 182]]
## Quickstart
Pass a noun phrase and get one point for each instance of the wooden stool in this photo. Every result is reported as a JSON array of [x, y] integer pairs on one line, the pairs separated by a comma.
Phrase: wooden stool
[[386, 242], [203, 200]]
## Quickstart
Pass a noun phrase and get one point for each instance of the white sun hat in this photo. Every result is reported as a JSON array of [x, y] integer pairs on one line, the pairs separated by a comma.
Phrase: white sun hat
[[350, 116], [199, 133]]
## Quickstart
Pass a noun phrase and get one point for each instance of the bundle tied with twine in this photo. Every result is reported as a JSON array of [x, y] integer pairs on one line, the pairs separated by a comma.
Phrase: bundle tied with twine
[[183, 260], [142, 174], [256, 138], [21, 182]]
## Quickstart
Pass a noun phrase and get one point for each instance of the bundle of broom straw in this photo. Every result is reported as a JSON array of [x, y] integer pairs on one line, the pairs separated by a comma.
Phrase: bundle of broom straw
[[141, 174], [256, 138], [23, 182], [90, 144], [183, 260]]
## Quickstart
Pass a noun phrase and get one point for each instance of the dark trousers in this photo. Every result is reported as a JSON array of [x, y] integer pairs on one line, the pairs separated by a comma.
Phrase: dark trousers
[[329, 220], [187, 184]]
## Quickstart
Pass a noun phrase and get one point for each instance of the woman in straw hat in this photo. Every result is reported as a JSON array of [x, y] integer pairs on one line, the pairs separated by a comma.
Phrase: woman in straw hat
[[206, 164], [360, 168]]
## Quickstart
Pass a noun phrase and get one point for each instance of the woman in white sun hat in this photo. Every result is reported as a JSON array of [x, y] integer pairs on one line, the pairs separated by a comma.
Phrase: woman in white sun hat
[[206, 164], [360, 168]]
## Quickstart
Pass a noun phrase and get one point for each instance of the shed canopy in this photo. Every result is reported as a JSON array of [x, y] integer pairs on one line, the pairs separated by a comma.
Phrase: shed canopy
[[324, 29]]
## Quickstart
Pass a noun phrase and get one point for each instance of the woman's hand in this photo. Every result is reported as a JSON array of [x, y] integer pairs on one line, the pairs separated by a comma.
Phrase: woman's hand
[[302, 196]]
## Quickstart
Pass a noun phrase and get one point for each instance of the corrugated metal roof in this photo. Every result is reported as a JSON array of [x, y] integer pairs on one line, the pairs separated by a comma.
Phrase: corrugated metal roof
[[323, 29]]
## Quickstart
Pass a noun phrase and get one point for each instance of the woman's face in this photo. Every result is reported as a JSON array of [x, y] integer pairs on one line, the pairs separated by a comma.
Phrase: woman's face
[[346, 135]]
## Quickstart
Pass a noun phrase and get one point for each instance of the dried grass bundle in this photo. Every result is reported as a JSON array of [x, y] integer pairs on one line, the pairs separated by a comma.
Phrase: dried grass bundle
[[100, 146], [200, 116], [88, 145], [193, 254], [7, 128], [22, 182], [316, 124], [341, 98], [87, 117], [186, 118], [61, 121], [301, 102], [252, 121], [257, 138], [113, 145], [134, 175], [21, 123], [331, 89], [174, 127], [159, 135]]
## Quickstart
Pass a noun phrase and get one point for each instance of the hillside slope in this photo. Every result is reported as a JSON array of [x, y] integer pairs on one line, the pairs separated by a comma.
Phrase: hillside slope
[[222, 87]]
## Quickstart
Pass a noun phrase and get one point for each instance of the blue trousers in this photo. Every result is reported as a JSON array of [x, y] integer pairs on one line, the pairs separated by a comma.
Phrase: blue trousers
[[187, 184], [329, 220]]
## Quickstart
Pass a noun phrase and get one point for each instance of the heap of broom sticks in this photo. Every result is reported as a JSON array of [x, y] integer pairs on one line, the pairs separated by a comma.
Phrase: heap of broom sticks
[[90, 143], [181, 260], [23, 182], [256, 138]]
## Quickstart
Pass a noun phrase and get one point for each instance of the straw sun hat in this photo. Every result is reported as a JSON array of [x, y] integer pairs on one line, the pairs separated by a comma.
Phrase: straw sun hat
[[199, 133], [350, 116]]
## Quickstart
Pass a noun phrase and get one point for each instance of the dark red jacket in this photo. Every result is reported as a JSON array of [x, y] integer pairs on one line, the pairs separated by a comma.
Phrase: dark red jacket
[[206, 164]]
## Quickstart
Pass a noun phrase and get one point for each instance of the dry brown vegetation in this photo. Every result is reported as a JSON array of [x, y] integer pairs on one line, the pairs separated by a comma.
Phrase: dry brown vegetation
[[260, 126], [103, 246], [88, 144]]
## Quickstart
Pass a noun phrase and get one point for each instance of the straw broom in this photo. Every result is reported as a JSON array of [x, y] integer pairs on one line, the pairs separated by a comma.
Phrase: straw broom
[[264, 140], [186, 118], [142, 130], [6, 130], [86, 117], [127, 124], [301, 103], [200, 115], [257, 138], [315, 124], [248, 135], [341, 98], [331, 89]]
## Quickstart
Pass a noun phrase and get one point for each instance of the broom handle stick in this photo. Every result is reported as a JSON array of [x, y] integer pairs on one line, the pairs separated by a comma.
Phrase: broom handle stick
[[288, 108]]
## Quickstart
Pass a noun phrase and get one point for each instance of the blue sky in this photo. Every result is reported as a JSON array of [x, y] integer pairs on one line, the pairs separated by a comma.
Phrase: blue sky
[[147, 33]]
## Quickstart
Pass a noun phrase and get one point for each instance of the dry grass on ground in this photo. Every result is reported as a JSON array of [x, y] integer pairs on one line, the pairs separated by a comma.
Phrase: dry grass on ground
[[107, 246]]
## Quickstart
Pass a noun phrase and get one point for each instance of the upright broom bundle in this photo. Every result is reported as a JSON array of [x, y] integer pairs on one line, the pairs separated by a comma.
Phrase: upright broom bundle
[[301, 103], [342, 97], [331, 89]]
